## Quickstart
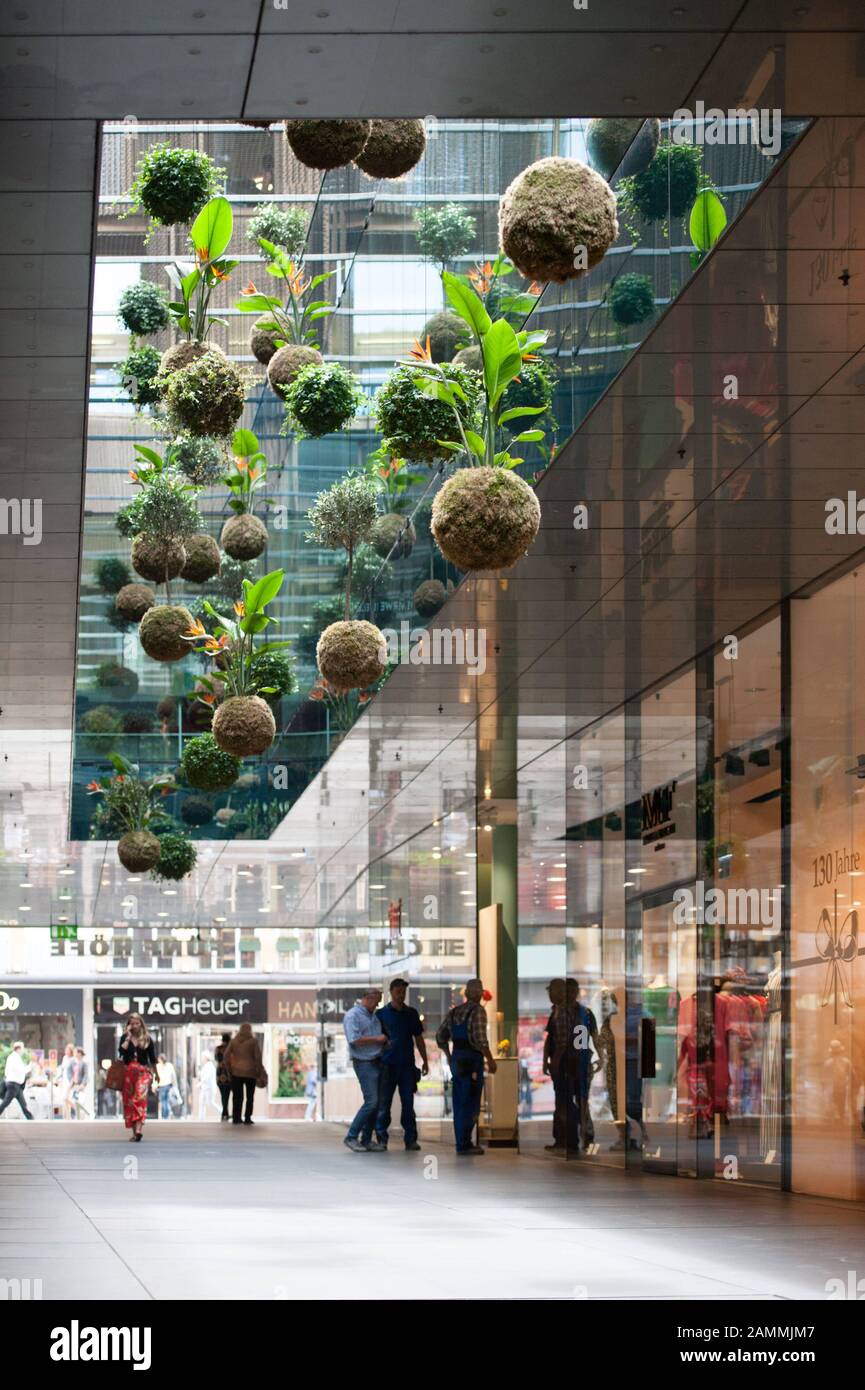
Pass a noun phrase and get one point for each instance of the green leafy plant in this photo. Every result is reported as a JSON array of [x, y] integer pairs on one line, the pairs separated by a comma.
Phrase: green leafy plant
[[282, 227], [249, 474], [112, 574], [443, 233], [206, 766], [412, 421], [100, 727], [233, 642], [199, 458], [111, 676], [343, 517], [143, 309], [171, 185], [206, 397], [706, 224], [666, 189], [210, 235], [291, 320], [177, 858], [487, 280], [322, 400], [134, 801], [139, 373], [274, 672], [392, 477], [167, 508], [631, 299]]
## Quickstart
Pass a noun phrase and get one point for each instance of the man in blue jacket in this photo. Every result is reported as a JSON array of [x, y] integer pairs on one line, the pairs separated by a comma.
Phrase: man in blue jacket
[[404, 1030]]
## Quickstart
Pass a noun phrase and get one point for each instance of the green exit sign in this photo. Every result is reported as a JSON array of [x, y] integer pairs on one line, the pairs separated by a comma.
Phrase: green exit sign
[[63, 932]]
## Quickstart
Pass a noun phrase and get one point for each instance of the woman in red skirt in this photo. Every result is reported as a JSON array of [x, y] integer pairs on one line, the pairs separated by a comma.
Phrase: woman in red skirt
[[139, 1054]]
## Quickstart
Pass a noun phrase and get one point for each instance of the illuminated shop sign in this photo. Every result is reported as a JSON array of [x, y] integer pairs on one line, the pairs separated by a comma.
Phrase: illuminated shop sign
[[183, 1006], [657, 814]]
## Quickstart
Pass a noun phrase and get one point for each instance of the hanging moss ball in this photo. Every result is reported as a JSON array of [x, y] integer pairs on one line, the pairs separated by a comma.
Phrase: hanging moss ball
[[138, 851], [161, 632], [552, 210], [327, 144], [177, 858], [207, 397], [275, 671], [622, 145], [206, 766], [244, 725], [668, 187], [199, 458], [262, 343], [181, 354], [120, 679], [470, 357], [393, 536], [157, 560], [393, 148], [112, 574], [534, 386], [444, 331], [137, 722], [351, 655], [485, 518], [288, 362], [133, 602], [196, 810], [143, 309], [322, 399], [413, 424], [244, 537], [139, 376], [172, 183], [203, 558], [429, 597], [631, 299]]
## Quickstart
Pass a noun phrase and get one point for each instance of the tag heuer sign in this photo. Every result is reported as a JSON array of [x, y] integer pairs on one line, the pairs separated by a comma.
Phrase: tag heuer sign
[[170, 1006]]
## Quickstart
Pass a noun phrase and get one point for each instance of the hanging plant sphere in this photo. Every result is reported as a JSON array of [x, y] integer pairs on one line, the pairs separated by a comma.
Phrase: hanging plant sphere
[[444, 331], [429, 597], [622, 145], [203, 558], [196, 810], [471, 358], [133, 601], [485, 518], [207, 397], [393, 536], [412, 424], [177, 858], [285, 227], [199, 458], [112, 574], [533, 387], [173, 184], [552, 210], [393, 148], [180, 355], [631, 300], [322, 399], [262, 343], [157, 561], [161, 633], [244, 725], [139, 376], [143, 309], [138, 851], [206, 766], [244, 537], [120, 679], [288, 362], [327, 144], [275, 669], [668, 187], [351, 655]]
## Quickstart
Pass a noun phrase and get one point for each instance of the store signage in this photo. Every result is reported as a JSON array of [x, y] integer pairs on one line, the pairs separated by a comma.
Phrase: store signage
[[8, 1002], [403, 947], [657, 814], [292, 1006], [205, 945], [183, 1006]]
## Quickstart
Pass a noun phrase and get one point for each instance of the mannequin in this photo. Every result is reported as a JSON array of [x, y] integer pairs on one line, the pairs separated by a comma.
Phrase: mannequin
[[770, 1119]]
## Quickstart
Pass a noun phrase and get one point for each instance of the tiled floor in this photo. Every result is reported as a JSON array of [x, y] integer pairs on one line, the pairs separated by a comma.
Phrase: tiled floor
[[285, 1211]]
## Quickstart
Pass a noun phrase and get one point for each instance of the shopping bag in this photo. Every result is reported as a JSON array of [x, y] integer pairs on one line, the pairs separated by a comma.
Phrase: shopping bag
[[115, 1076]]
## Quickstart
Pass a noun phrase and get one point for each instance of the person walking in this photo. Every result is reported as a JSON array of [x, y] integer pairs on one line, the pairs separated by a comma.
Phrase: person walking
[[67, 1079], [242, 1062], [310, 1091], [223, 1080], [15, 1075], [207, 1092], [166, 1077], [366, 1042], [404, 1030], [462, 1037], [137, 1051], [80, 1083]]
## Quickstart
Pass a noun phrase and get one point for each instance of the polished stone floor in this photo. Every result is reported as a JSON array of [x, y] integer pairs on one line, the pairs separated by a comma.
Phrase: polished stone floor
[[286, 1211]]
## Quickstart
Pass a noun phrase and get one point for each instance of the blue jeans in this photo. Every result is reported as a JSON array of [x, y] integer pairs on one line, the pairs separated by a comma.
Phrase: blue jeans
[[369, 1076], [391, 1079], [468, 1090], [164, 1106]]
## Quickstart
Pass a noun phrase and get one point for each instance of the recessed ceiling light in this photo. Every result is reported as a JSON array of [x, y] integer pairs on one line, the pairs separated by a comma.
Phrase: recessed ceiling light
[[169, 892], [277, 887], [376, 885], [470, 854], [220, 919], [264, 909], [24, 908], [65, 872], [162, 914], [25, 885], [62, 919], [133, 880]]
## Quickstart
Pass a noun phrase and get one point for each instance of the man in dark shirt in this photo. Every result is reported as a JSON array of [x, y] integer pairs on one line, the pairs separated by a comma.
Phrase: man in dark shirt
[[402, 1025]]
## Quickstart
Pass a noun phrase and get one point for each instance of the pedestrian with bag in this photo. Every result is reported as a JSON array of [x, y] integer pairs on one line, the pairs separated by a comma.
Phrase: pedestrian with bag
[[223, 1080], [166, 1080], [366, 1042], [404, 1030], [138, 1055], [463, 1039], [243, 1063], [15, 1075]]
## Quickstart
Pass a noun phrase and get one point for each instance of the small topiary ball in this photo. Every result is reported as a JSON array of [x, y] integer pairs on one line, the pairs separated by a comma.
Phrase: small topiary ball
[[177, 858], [207, 397], [485, 518], [327, 144], [552, 210], [161, 632], [534, 386], [668, 186], [393, 536], [288, 362], [138, 851], [622, 145], [139, 376], [203, 558], [429, 597], [199, 458], [262, 343], [181, 354], [112, 574], [393, 148], [413, 424], [470, 357], [196, 810], [206, 766], [444, 331], [631, 299], [143, 309], [172, 183], [137, 722], [244, 725], [351, 655], [322, 399], [133, 602], [157, 560], [244, 537], [275, 671], [111, 676]]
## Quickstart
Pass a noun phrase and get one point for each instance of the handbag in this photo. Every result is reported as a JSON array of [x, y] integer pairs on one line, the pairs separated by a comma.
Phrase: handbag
[[261, 1078], [174, 1098], [115, 1076]]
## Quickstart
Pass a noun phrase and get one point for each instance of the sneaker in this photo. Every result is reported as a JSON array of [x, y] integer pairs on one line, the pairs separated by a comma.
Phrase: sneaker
[[249, 1122], [555, 1149], [475, 1149], [377, 1147], [412, 1148], [356, 1146]]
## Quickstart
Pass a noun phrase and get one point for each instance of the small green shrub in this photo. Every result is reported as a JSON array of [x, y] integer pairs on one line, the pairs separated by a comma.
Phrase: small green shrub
[[205, 398], [206, 766], [411, 423], [322, 400], [177, 858], [631, 299], [112, 574], [443, 233], [143, 309], [139, 375], [172, 185], [274, 674], [667, 188], [284, 227], [200, 459], [167, 509]]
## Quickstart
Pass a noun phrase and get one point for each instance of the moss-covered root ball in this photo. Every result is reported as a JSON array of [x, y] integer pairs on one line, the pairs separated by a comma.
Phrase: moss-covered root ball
[[327, 144], [157, 560], [207, 397], [351, 655], [429, 597], [181, 354], [161, 632], [203, 558], [622, 144], [393, 148], [244, 725], [470, 357], [557, 220], [138, 851], [244, 537], [262, 344], [393, 536], [444, 332], [485, 518], [287, 363], [133, 601]]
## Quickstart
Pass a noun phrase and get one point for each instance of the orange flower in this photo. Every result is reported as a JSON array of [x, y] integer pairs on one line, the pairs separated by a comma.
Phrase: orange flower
[[133, 475], [207, 699], [219, 274], [253, 474], [196, 630], [363, 697], [482, 277], [249, 289], [93, 787], [240, 609], [535, 288], [421, 353], [296, 283], [203, 254], [316, 693], [242, 465]]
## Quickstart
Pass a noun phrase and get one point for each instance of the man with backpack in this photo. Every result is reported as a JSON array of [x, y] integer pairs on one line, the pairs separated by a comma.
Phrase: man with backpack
[[463, 1039]]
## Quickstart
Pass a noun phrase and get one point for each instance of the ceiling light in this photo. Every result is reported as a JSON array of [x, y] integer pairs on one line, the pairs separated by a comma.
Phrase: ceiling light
[[277, 887], [162, 914], [25, 885], [461, 873], [470, 855], [133, 880], [65, 871], [436, 856], [220, 919], [24, 908], [562, 879], [638, 871], [264, 909], [62, 919], [169, 892], [298, 854], [629, 883], [376, 885]]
